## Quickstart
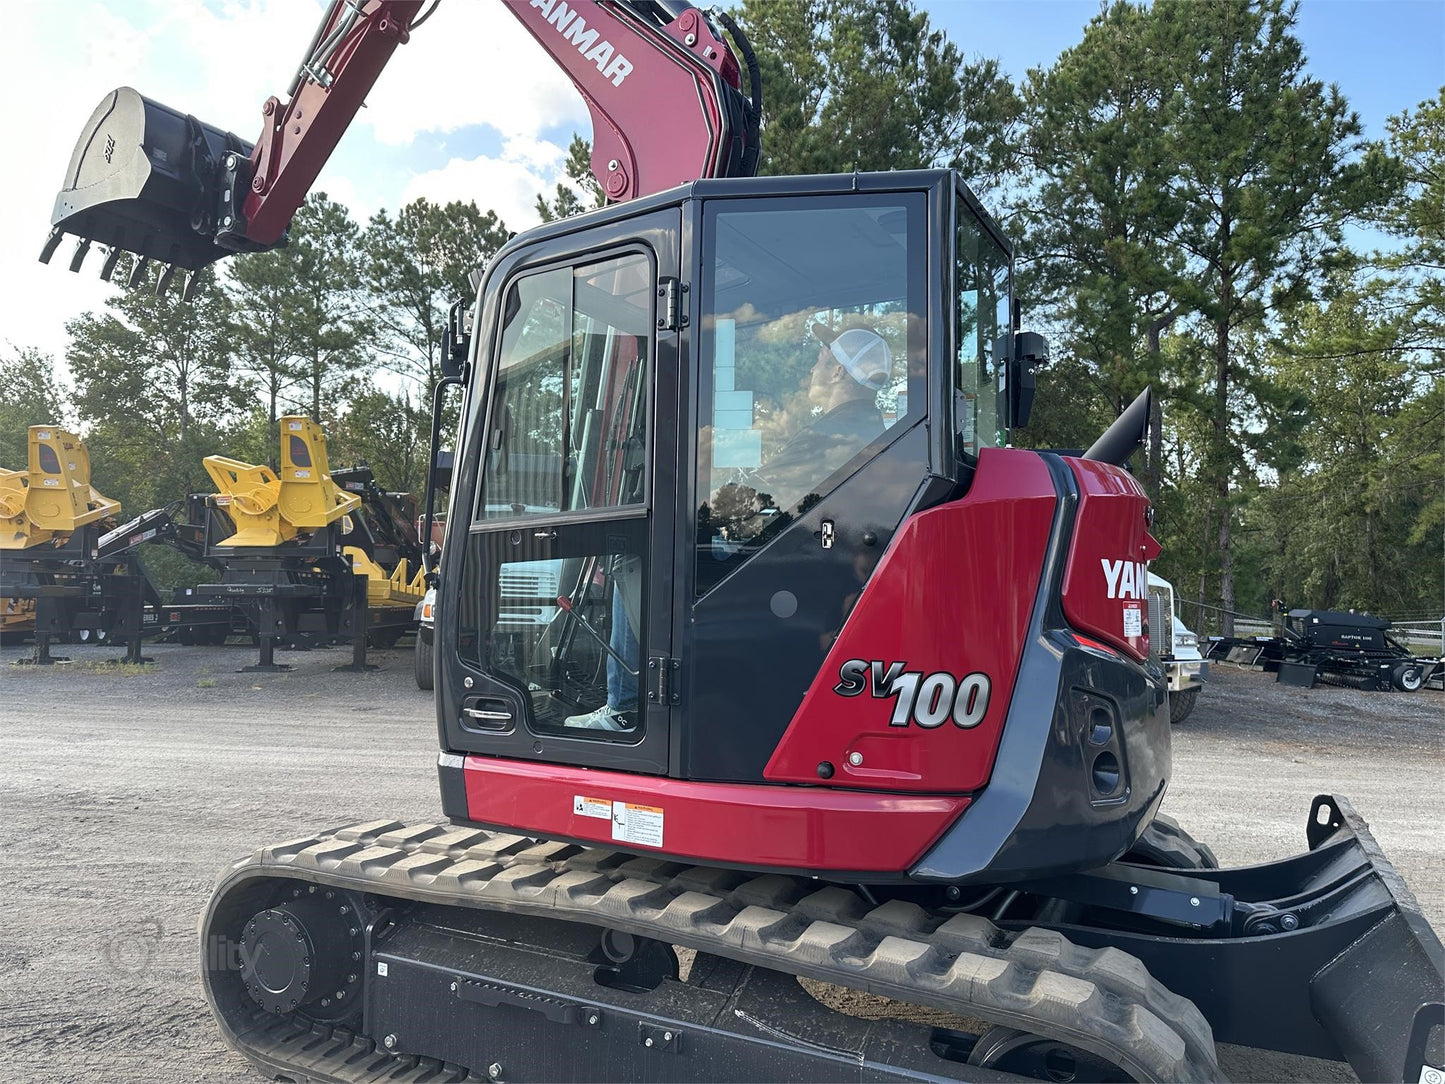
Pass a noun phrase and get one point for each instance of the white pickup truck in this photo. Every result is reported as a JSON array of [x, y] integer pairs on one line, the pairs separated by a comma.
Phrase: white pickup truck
[[1176, 648]]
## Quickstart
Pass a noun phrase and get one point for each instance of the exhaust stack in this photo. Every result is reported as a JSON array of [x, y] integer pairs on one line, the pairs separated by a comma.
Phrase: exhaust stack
[[1126, 435]]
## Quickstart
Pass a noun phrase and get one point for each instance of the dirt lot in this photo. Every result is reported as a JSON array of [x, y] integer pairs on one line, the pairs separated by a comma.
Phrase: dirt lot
[[124, 794]]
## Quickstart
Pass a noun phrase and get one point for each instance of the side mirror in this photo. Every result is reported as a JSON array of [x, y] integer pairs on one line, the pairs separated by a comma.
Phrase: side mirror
[[1030, 350], [441, 471], [456, 339]]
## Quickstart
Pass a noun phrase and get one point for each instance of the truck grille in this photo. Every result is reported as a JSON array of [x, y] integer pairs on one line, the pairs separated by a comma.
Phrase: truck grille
[[1161, 621], [529, 583]]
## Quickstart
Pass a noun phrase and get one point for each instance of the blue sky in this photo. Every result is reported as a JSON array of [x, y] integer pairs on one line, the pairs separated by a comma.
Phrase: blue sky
[[1386, 55], [472, 108]]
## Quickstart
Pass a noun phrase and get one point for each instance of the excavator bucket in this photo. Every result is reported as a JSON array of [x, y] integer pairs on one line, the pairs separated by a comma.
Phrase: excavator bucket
[[53, 497], [151, 181]]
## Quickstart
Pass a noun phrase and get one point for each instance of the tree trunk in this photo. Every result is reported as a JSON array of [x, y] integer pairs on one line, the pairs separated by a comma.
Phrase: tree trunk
[[316, 387], [185, 396], [1154, 473], [1221, 456]]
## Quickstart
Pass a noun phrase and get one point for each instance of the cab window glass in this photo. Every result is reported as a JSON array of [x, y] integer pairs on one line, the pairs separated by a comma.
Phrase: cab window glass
[[559, 611], [569, 422], [812, 358], [982, 275]]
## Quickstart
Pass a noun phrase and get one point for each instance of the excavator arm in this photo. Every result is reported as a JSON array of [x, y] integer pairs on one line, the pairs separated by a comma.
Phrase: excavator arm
[[661, 83]]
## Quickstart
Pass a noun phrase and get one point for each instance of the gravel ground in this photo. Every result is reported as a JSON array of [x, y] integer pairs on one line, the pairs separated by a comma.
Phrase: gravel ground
[[125, 793]]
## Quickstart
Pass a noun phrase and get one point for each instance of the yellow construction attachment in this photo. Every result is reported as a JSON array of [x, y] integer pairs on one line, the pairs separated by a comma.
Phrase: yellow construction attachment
[[17, 615], [268, 510], [383, 589], [54, 497]]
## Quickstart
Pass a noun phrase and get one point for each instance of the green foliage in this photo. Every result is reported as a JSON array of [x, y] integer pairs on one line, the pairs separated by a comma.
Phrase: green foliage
[[1197, 180], [327, 305], [416, 265], [156, 392], [1100, 135], [390, 433], [31, 396], [870, 85], [1351, 519], [579, 192]]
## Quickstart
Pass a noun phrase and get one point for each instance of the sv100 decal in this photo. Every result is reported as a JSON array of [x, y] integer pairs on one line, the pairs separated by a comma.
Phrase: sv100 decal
[[929, 700]]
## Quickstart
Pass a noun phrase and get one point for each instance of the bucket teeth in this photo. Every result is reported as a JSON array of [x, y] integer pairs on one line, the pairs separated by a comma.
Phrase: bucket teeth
[[52, 242], [81, 248], [164, 282], [138, 272], [193, 283], [108, 268]]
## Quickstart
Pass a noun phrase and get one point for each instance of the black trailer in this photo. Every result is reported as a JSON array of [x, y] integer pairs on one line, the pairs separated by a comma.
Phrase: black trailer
[[94, 588], [1333, 647]]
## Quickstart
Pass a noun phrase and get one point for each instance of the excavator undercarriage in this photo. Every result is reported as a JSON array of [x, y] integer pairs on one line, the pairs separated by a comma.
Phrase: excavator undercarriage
[[387, 951]]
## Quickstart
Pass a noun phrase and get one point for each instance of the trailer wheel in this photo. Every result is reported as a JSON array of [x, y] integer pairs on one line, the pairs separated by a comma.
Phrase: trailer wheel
[[1181, 704], [423, 662], [1408, 677], [1166, 844]]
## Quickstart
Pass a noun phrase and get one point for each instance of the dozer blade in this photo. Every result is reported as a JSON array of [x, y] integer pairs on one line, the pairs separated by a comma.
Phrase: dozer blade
[[1383, 996], [149, 180]]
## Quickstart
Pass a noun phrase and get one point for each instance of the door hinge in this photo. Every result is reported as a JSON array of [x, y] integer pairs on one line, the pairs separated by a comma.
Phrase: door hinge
[[670, 313], [664, 680]]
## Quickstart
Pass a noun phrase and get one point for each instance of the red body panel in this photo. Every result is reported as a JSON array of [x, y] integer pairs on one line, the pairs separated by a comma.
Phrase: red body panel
[[746, 825], [1106, 586], [297, 139], [625, 71], [950, 600]]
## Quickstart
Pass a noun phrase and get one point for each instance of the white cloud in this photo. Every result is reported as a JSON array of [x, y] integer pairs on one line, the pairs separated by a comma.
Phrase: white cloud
[[508, 183], [341, 189], [59, 61], [472, 63]]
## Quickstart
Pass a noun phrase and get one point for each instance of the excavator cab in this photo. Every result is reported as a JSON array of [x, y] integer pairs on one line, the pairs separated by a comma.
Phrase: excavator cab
[[695, 423]]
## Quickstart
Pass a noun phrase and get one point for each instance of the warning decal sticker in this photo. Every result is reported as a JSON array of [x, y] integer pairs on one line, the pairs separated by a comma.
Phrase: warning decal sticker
[[600, 808], [1133, 620], [639, 824]]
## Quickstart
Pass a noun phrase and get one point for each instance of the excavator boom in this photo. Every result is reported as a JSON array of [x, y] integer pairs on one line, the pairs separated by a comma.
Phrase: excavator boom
[[166, 187]]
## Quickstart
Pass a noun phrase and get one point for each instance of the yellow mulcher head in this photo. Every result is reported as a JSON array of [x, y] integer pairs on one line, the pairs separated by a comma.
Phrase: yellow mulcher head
[[269, 510], [53, 497]]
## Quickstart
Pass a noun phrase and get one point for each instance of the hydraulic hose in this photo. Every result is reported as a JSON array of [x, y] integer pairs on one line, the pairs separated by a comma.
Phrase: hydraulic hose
[[755, 84]]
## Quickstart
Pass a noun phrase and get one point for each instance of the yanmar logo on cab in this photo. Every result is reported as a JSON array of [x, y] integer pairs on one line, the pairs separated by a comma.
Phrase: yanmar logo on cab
[[565, 20], [1125, 579]]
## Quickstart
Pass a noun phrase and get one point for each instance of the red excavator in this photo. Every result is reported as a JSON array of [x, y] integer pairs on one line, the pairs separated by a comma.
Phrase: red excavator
[[770, 682]]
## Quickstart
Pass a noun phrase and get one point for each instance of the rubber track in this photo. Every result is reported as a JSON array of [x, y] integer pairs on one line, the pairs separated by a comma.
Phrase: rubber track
[[1100, 999], [1166, 843], [294, 1050]]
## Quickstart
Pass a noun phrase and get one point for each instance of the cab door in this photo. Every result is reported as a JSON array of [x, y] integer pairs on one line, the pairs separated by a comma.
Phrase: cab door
[[563, 625]]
